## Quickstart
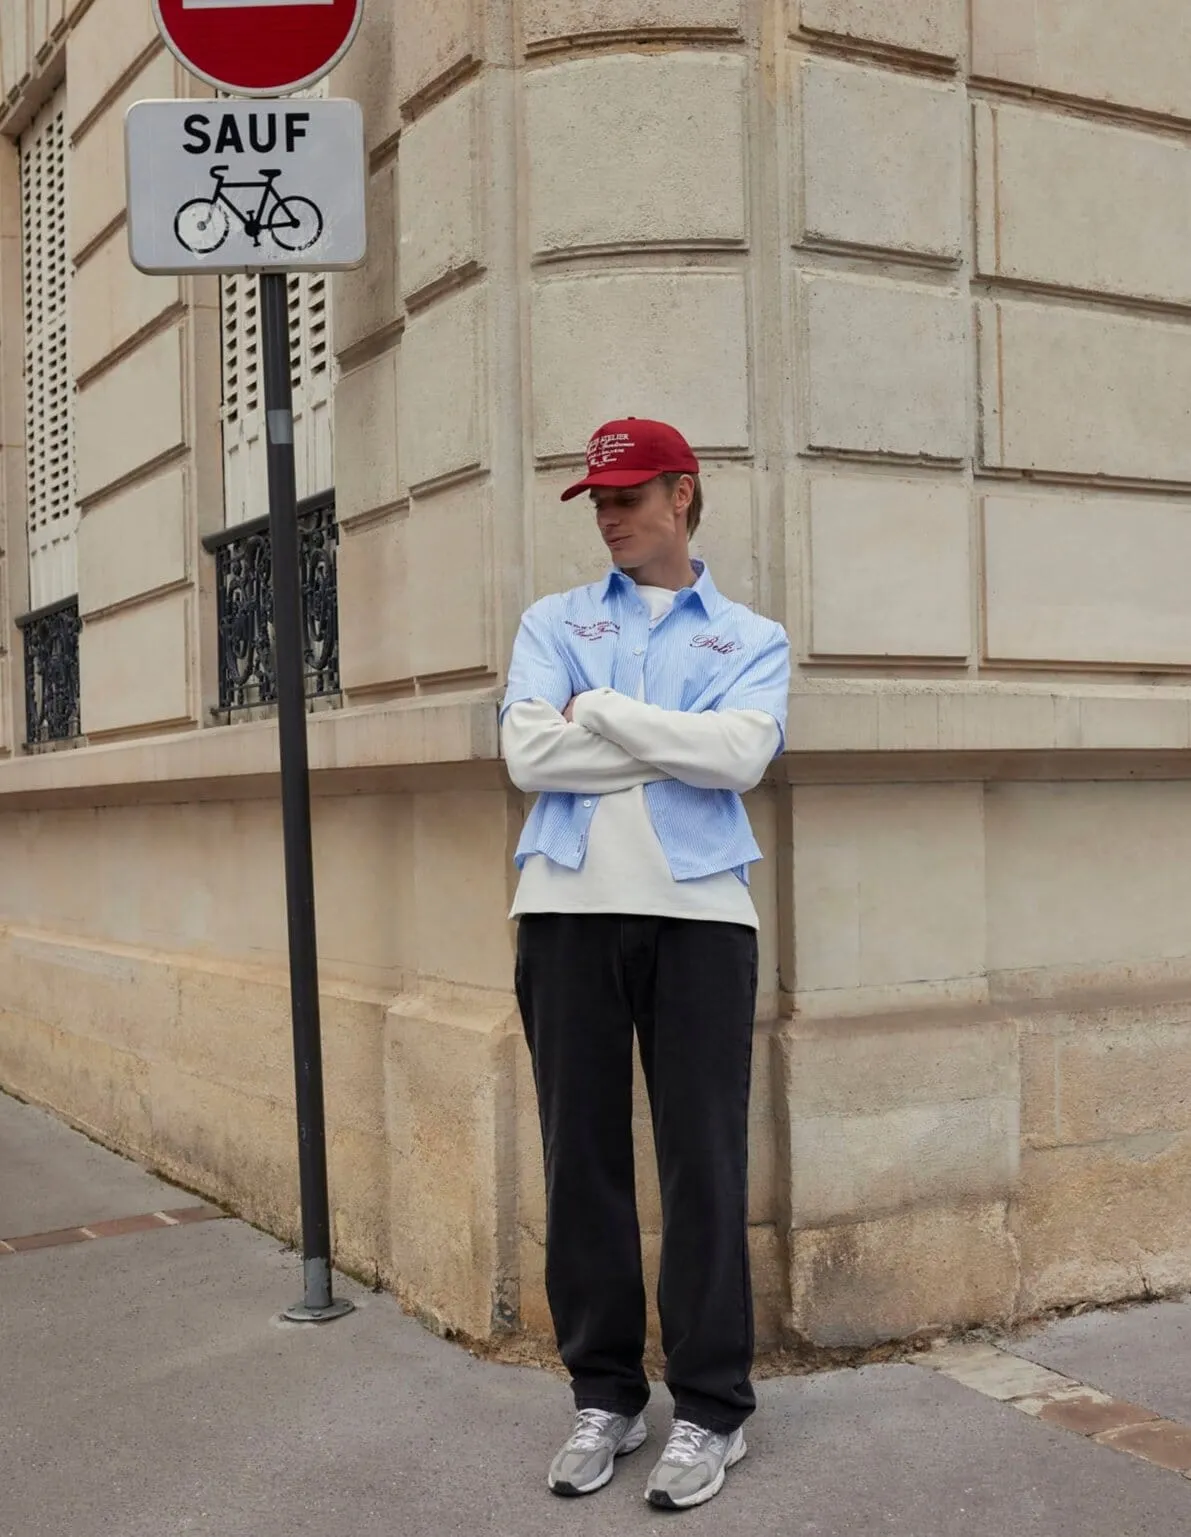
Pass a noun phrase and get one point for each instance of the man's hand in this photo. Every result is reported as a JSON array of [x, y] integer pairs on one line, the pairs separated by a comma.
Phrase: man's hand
[[569, 713]]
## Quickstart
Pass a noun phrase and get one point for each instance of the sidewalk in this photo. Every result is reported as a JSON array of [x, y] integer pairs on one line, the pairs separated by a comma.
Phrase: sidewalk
[[149, 1391]]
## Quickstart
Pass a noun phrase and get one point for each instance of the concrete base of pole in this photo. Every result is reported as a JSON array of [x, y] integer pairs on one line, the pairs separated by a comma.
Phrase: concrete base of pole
[[317, 1306], [300, 1313]]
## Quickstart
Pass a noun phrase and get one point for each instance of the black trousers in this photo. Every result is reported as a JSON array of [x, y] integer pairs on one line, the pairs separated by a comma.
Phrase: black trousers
[[689, 988]]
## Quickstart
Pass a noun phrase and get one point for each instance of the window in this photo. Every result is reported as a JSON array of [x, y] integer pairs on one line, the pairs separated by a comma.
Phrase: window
[[311, 363], [243, 552], [52, 508], [243, 403], [51, 629]]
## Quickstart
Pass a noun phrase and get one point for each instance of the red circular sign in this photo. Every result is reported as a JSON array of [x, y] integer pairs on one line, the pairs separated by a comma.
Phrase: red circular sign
[[259, 47]]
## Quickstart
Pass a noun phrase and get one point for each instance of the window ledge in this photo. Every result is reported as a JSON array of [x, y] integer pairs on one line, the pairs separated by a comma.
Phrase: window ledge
[[230, 761], [898, 715]]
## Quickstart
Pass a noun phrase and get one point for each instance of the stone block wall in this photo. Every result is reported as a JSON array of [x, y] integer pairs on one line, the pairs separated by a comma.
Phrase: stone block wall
[[896, 305], [910, 275]]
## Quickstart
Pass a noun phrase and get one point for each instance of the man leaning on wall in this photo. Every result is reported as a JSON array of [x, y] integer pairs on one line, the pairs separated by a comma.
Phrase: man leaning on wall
[[639, 709]]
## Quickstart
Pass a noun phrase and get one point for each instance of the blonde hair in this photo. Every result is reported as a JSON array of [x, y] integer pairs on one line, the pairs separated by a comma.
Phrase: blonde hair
[[694, 512]]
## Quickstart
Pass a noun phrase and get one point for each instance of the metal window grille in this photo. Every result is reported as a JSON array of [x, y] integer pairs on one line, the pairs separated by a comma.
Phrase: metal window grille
[[244, 589], [52, 507], [51, 646]]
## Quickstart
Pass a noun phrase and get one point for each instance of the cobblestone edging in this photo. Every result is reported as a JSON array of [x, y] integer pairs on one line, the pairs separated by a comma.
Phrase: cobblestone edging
[[1057, 1400], [115, 1227]]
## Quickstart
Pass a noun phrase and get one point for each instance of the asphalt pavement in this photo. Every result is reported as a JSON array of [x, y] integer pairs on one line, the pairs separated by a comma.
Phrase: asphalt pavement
[[149, 1389]]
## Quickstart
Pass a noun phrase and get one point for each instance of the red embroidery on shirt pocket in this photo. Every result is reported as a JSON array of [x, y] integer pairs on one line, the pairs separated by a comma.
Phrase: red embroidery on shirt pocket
[[595, 631]]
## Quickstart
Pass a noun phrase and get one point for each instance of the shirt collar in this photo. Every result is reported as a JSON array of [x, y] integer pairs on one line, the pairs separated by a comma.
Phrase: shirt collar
[[704, 592]]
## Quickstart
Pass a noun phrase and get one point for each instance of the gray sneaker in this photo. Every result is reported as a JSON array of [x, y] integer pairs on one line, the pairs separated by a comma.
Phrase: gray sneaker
[[691, 1470], [588, 1459]]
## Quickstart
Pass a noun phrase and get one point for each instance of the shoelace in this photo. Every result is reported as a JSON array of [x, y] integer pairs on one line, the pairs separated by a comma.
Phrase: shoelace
[[686, 1443], [590, 1425]]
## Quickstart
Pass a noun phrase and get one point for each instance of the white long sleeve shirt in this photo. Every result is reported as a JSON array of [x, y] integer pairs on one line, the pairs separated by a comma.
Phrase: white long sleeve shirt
[[613, 748]]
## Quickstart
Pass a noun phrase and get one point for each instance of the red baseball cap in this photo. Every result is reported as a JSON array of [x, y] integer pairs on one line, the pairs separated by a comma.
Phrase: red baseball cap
[[632, 451]]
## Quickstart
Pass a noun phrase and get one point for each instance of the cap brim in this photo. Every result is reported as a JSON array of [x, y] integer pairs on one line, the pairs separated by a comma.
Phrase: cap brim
[[610, 478]]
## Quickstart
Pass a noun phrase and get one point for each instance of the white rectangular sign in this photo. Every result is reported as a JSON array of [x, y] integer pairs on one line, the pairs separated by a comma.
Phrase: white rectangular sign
[[245, 186]]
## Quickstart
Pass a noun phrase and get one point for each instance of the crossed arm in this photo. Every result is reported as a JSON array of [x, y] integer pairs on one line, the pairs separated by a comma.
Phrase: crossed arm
[[612, 743], [601, 741]]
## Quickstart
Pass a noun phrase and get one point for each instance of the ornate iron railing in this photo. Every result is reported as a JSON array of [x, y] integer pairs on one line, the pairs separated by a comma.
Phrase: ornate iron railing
[[51, 641], [244, 587]]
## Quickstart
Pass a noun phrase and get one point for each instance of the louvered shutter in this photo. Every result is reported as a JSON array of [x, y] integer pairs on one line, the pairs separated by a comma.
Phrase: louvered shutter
[[312, 362], [244, 488], [52, 507]]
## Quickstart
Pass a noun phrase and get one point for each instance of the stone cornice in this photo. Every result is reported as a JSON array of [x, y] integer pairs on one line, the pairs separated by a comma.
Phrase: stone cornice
[[840, 729]]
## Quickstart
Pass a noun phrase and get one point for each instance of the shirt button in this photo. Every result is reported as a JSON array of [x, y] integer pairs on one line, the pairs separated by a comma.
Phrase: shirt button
[[638, 650], [587, 803]]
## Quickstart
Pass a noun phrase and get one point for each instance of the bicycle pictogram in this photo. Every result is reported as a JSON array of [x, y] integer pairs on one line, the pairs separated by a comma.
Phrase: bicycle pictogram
[[203, 224]]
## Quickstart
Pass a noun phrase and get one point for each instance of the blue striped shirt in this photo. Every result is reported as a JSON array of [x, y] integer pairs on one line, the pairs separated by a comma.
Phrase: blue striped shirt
[[707, 653]]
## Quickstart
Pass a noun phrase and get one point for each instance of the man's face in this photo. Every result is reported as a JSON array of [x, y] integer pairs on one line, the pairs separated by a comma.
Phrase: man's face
[[643, 525]]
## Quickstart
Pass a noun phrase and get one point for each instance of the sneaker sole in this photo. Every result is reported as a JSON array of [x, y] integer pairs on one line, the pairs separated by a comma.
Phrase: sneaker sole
[[660, 1500], [630, 1444]]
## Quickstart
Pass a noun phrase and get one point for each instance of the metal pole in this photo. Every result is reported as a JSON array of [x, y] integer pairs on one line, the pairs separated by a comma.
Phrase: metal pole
[[317, 1305]]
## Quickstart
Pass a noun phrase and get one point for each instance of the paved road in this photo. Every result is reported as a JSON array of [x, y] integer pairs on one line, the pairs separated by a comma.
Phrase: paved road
[[149, 1391]]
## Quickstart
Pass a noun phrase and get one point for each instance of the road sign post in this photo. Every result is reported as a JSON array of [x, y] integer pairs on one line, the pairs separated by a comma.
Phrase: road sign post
[[272, 188], [317, 1305]]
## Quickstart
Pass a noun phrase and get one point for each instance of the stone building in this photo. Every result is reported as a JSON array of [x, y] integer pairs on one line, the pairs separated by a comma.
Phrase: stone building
[[913, 276]]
